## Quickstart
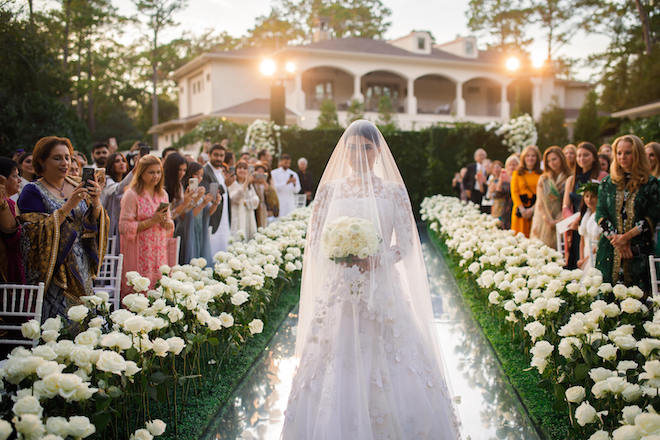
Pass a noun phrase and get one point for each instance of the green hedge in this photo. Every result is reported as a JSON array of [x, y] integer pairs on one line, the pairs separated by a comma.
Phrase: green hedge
[[427, 159]]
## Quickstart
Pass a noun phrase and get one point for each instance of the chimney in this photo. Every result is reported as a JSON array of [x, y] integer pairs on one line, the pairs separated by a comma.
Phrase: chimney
[[321, 29]]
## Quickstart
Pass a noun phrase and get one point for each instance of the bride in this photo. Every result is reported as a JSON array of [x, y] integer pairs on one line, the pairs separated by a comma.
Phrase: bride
[[369, 367]]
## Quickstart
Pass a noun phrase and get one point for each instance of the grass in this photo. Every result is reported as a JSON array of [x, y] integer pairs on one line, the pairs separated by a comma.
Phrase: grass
[[215, 392], [551, 423]]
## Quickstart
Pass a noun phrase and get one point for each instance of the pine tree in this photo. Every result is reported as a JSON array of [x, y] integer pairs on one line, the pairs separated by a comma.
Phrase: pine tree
[[354, 111], [386, 113], [588, 124], [328, 117], [551, 127]]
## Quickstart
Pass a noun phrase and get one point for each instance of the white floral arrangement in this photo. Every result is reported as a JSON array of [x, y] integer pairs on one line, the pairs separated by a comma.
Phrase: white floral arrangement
[[263, 135], [347, 238], [599, 342], [518, 132], [111, 351]]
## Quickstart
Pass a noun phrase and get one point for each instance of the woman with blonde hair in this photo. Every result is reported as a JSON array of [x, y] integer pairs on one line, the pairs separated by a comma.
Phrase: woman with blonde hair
[[570, 153], [549, 192], [523, 189], [653, 154], [145, 223], [628, 210]]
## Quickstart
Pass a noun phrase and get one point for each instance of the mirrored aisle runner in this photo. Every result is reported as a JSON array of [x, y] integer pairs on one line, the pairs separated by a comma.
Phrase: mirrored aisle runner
[[488, 408]]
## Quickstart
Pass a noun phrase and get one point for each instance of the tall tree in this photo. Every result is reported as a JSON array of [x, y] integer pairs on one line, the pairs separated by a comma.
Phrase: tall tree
[[551, 127], [502, 22], [157, 15], [588, 125], [328, 117], [273, 31], [559, 20]]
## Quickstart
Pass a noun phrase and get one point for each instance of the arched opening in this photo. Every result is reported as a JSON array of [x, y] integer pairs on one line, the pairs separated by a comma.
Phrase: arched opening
[[321, 83], [435, 95], [482, 97], [380, 83], [519, 95]]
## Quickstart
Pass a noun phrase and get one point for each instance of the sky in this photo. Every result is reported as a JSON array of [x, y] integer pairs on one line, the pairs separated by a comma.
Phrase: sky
[[444, 18]]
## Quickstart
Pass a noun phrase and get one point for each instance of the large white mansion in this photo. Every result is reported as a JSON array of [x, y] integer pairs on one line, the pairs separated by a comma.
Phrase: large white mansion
[[427, 83]]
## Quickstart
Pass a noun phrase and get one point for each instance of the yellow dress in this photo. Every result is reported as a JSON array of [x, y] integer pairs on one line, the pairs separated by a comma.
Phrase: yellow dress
[[522, 184]]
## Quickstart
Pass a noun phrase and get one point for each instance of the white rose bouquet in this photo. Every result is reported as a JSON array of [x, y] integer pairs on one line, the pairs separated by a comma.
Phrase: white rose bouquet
[[347, 239]]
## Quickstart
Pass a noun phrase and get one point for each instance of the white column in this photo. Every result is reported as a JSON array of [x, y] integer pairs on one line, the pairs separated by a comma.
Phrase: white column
[[357, 88], [460, 102], [505, 110], [298, 95], [412, 100], [537, 104]]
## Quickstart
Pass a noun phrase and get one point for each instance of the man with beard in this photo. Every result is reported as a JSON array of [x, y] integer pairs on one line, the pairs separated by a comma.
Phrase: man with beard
[[220, 220]]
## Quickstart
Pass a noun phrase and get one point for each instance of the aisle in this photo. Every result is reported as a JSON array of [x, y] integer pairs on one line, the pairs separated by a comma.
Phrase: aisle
[[487, 407]]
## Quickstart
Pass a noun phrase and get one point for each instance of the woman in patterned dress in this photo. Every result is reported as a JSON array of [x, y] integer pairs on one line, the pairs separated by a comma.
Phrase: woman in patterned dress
[[144, 228]]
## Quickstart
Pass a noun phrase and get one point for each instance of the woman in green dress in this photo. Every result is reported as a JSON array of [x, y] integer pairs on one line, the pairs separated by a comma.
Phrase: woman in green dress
[[628, 211]]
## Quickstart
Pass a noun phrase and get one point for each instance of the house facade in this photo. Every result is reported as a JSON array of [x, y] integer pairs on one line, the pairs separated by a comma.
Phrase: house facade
[[427, 84]]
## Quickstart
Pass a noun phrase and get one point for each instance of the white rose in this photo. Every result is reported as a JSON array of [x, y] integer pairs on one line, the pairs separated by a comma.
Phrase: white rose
[[624, 366], [48, 368], [111, 362], [631, 392], [226, 319], [629, 413], [256, 326], [81, 427], [647, 345], [54, 324], [138, 324], [289, 267], [165, 269], [31, 329], [620, 291], [176, 344], [131, 368], [77, 313], [28, 405], [136, 302], [97, 322], [648, 423], [239, 298], [535, 330], [141, 284], [575, 394], [141, 434], [156, 427], [631, 305], [626, 432], [599, 374], [89, 337], [160, 347], [116, 340], [607, 352], [30, 426], [5, 430], [585, 413], [494, 297], [44, 352], [174, 314], [58, 426], [600, 435]]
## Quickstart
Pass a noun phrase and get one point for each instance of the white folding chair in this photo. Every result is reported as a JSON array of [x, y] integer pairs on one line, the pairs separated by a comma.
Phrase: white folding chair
[[109, 278], [301, 200], [19, 301], [112, 245], [653, 260]]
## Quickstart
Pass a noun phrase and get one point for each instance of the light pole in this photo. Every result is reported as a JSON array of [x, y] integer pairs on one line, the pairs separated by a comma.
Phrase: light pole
[[278, 74]]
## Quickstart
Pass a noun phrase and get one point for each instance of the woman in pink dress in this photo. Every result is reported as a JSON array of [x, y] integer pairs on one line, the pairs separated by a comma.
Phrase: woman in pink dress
[[144, 228]]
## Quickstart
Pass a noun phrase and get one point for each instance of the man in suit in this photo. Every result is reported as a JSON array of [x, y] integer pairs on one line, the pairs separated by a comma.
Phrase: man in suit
[[220, 220], [474, 181], [306, 180]]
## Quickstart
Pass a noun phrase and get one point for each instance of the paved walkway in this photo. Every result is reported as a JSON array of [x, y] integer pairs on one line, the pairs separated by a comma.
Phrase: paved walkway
[[487, 407]]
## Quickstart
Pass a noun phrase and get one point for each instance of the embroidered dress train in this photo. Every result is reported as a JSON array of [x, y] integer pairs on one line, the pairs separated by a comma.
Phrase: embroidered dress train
[[369, 366]]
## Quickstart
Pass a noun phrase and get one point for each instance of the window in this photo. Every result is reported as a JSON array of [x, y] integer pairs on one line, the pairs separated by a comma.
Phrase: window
[[323, 91], [421, 43]]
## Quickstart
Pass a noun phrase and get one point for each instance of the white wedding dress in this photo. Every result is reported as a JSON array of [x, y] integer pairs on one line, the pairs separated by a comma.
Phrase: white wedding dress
[[369, 365]]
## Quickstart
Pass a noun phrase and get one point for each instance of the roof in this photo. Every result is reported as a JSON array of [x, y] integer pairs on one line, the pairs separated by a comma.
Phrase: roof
[[257, 106], [571, 114], [650, 109], [381, 47]]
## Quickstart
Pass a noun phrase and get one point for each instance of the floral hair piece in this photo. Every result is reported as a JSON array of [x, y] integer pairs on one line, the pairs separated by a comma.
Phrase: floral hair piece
[[589, 187]]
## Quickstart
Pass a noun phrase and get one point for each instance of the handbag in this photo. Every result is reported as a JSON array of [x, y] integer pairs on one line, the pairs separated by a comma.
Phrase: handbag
[[527, 201]]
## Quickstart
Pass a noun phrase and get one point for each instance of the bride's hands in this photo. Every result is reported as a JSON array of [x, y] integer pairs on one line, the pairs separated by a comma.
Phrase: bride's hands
[[364, 264]]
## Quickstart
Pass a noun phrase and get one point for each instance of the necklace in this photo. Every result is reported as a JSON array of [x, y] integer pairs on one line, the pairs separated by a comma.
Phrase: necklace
[[60, 190]]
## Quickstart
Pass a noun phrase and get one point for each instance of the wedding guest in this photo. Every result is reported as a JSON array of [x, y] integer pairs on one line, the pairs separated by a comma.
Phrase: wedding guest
[[606, 149], [503, 189], [474, 181], [57, 207], [486, 201], [306, 180], [100, 153], [203, 158], [493, 180], [523, 189], [589, 230], [26, 170], [166, 152], [74, 169], [570, 153], [587, 169], [229, 159], [220, 220], [272, 201], [244, 202], [262, 188], [82, 159], [193, 228], [174, 172], [245, 157], [265, 158], [628, 210], [116, 170], [286, 184], [17, 154], [549, 193], [11, 266], [145, 223], [457, 184], [604, 162], [653, 154]]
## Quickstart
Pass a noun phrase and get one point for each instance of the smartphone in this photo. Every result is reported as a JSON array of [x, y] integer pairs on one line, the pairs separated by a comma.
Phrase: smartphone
[[213, 189], [232, 170], [88, 173], [144, 151], [99, 175], [260, 176], [113, 143], [193, 183], [163, 206], [251, 169]]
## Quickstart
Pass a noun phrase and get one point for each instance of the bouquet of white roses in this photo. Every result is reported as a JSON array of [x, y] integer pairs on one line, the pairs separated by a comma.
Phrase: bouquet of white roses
[[349, 238]]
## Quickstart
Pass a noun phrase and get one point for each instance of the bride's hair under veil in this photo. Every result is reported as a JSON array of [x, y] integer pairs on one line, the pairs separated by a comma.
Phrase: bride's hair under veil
[[362, 180]]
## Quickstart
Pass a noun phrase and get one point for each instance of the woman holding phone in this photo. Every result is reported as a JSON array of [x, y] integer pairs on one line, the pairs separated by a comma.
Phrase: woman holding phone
[[145, 223]]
